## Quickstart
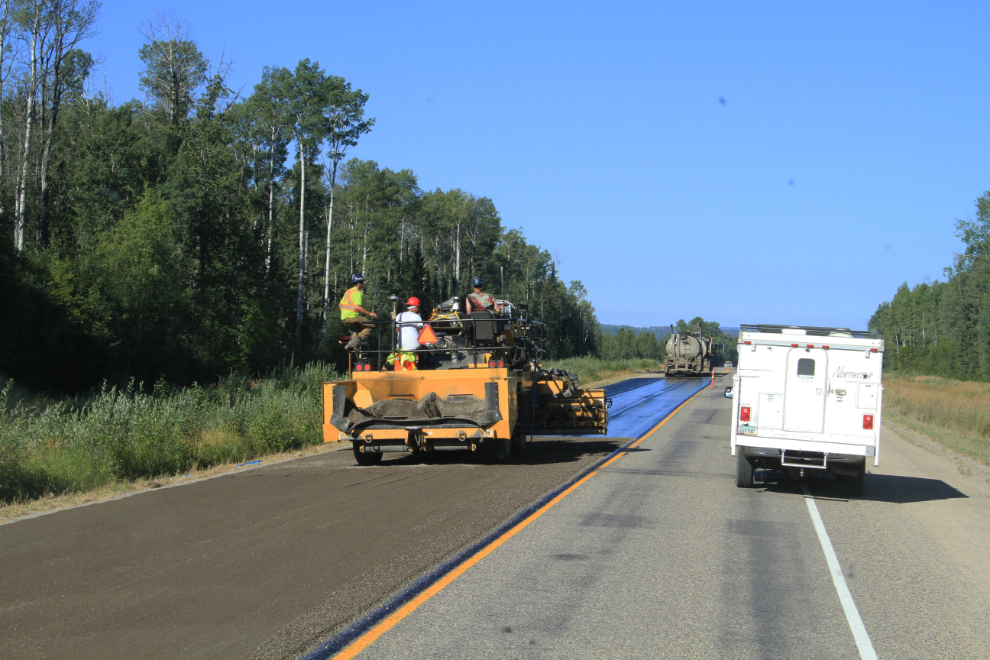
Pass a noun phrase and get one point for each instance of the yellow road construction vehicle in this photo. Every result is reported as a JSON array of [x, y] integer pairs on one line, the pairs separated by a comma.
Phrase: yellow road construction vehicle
[[478, 387]]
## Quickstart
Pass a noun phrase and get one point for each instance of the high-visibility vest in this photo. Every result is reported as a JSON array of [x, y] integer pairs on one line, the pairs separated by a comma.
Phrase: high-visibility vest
[[348, 306]]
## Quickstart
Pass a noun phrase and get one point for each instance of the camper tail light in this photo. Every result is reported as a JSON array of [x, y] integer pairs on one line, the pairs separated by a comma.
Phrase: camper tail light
[[868, 422], [744, 414]]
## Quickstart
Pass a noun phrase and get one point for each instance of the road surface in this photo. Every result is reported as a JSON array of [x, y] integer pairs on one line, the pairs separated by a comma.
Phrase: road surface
[[660, 555], [657, 554]]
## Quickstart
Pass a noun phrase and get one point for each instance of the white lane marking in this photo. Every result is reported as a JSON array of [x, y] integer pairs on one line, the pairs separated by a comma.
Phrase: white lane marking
[[862, 638]]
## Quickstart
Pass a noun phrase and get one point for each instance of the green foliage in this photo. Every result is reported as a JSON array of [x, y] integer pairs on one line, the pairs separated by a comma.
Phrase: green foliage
[[115, 434], [182, 240], [174, 70], [593, 370], [943, 328], [651, 343]]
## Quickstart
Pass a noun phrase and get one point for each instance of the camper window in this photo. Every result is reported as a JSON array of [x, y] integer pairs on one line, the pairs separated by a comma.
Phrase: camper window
[[806, 368]]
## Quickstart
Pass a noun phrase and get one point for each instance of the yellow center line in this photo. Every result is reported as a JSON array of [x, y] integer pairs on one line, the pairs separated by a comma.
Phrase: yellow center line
[[365, 640], [368, 638]]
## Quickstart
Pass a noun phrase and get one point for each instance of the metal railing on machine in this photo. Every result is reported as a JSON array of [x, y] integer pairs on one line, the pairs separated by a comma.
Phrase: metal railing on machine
[[493, 341]]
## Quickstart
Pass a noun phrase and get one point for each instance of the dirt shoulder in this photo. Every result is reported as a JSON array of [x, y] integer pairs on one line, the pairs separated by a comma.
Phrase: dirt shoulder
[[37, 507], [959, 519]]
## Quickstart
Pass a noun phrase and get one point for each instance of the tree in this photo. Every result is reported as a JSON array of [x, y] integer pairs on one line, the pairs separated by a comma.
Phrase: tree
[[35, 19], [306, 93], [344, 123], [174, 67], [267, 108], [66, 69]]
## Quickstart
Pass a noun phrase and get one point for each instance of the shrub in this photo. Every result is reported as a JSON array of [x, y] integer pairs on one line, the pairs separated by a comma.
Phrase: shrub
[[125, 434]]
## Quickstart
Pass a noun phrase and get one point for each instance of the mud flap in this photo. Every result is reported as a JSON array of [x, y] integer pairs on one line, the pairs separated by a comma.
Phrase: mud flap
[[492, 413], [337, 418]]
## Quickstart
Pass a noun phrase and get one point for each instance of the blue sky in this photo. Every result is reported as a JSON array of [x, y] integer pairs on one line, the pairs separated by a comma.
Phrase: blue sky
[[744, 162]]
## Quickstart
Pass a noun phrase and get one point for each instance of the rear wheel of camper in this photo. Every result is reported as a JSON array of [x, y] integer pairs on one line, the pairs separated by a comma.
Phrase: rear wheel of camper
[[744, 470], [366, 459], [854, 484]]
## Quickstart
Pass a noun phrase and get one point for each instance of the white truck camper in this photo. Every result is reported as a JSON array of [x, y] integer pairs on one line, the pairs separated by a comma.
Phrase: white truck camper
[[808, 401]]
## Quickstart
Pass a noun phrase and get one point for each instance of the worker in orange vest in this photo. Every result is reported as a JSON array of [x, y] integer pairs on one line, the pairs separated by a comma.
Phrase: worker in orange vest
[[351, 313]]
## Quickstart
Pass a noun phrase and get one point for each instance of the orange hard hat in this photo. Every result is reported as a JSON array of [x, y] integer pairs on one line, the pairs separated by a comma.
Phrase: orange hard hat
[[412, 302]]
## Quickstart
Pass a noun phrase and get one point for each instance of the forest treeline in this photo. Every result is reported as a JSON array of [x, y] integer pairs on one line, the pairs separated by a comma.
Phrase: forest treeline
[[943, 328], [200, 231], [628, 343]]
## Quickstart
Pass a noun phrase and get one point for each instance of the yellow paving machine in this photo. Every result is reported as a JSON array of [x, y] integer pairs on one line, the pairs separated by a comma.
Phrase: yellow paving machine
[[479, 387]]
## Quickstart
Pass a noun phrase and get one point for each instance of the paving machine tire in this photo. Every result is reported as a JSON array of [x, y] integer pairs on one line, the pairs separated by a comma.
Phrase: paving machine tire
[[518, 442], [366, 459], [501, 450]]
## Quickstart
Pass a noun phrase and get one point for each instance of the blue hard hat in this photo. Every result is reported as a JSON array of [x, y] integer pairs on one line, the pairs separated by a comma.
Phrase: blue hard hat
[[357, 277], [477, 281]]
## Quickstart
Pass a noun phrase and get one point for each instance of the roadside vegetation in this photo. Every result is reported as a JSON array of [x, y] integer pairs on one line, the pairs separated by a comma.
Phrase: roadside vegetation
[[126, 434], [202, 230], [954, 413], [625, 342], [942, 328], [592, 370]]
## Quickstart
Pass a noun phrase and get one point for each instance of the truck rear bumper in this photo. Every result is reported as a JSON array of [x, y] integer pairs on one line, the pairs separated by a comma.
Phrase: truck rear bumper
[[754, 443]]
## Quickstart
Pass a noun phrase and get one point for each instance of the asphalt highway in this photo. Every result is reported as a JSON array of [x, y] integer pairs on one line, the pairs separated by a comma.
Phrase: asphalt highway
[[660, 555], [266, 562], [654, 554]]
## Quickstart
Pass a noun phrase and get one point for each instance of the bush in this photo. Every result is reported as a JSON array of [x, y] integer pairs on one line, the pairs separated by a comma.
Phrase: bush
[[591, 369], [125, 434]]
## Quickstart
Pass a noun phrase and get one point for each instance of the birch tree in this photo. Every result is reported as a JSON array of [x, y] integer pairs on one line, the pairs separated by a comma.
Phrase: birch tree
[[65, 65], [344, 123], [35, 18], [268, 104], [306, 94]]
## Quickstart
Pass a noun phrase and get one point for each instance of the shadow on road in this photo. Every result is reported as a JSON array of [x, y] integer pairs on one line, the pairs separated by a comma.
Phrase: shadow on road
[[889, 488], [542, 451]]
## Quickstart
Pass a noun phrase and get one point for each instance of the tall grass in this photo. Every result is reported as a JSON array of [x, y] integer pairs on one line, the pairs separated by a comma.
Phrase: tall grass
[[955, 413], [83, 443], [591, 370]]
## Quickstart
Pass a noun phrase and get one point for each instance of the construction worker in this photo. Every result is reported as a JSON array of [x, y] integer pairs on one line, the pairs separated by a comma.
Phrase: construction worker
[[478, 300], [409, 324], [351, 313]]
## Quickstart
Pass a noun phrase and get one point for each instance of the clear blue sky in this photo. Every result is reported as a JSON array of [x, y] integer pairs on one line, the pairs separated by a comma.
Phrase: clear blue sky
[[746, 162]]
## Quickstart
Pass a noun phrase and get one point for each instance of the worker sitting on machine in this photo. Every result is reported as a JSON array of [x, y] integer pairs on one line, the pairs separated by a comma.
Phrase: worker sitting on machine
[[409, 324], [351, 313], [479, 301]]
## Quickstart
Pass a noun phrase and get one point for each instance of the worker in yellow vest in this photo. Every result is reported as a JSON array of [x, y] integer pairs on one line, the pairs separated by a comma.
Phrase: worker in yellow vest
[[351, 313]]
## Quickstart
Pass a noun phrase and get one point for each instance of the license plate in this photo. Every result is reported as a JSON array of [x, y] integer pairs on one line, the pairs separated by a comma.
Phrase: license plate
[[746, 430]]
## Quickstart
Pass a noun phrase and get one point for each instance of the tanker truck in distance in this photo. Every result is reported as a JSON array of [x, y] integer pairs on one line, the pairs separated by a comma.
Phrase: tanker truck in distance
[[688, 354]]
